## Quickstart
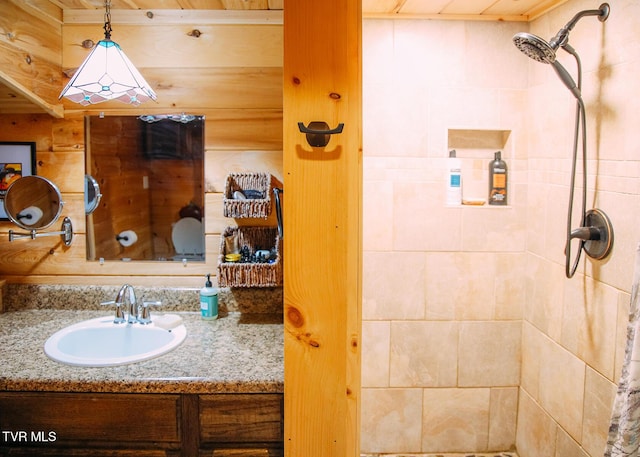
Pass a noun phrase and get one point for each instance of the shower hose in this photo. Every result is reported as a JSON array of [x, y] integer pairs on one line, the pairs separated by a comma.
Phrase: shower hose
[[580, 128]]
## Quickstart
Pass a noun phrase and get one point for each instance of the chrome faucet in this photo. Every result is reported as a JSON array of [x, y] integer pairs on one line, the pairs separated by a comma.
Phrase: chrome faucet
[[133, 305], [137, 313]]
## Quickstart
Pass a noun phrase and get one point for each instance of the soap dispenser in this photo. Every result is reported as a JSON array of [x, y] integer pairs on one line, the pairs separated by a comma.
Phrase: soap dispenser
[[209, 300]]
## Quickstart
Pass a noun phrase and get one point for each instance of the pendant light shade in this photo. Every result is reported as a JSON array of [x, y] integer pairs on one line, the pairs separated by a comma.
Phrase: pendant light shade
[[107, 74]]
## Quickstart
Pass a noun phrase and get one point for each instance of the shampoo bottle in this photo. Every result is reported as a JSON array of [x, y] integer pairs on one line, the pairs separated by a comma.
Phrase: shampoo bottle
[[497, 181], [454, 179], [209, 300]]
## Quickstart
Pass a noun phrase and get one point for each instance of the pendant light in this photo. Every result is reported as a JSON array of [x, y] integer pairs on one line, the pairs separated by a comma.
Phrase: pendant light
[[107, 74]]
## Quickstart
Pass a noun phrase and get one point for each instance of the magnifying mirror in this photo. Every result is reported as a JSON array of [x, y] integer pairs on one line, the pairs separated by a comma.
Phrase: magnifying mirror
[[33, 203], [92, 194]]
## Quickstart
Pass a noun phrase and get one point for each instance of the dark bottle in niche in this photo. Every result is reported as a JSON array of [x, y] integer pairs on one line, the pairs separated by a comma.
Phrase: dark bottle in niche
[[497, 180]]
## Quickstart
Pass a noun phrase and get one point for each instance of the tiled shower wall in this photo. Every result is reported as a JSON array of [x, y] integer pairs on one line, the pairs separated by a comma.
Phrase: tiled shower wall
[[469, 325], [443, 288], [574, 330]]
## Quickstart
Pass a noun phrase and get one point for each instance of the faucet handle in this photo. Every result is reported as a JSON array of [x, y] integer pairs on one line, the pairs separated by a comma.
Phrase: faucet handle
[[119, 317], [145, 313]]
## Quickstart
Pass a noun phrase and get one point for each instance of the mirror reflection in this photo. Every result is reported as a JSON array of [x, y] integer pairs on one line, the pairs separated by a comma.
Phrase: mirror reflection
[[33, 202], [150, 173], [92, 194]]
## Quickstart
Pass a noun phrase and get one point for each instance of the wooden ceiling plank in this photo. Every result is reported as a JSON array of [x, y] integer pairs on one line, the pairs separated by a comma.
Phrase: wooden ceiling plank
[[204, 17], [540, 9], [379, 6], [447, 17], [422, 7], [468, 7]]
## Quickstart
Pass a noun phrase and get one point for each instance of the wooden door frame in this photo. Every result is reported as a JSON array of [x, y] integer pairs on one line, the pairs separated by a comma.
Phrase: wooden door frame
[[322, 228]]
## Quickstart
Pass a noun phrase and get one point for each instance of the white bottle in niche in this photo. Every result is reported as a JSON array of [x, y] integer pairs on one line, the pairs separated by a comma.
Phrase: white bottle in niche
[[454, 179]]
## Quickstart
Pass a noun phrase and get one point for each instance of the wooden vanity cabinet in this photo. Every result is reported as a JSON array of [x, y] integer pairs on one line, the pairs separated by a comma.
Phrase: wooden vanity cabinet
[[232, 424], [142, 425]]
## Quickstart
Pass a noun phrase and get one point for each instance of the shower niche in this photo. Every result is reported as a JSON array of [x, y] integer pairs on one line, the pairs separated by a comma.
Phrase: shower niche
[[476, 148]]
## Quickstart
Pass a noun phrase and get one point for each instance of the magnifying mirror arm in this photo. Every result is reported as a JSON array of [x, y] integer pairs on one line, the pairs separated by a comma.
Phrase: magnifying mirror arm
[[66, 233]]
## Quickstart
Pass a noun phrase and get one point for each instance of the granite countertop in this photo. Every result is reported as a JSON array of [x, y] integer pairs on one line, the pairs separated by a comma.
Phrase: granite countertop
[[237, 353]]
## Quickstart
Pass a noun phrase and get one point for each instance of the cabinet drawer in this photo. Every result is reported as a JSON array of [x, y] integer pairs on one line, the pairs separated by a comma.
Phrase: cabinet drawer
[[226, 418], [98, 418]]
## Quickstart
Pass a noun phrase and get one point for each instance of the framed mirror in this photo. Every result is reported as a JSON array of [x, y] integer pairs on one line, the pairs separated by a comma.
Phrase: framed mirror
[[149, 171]]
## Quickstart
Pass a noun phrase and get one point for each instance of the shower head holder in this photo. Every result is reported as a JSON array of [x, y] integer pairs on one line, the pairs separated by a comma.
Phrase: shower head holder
[[562, 37]]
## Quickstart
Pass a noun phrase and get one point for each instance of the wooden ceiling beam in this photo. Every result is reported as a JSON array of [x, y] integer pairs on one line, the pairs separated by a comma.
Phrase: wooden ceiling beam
[[55, 110]]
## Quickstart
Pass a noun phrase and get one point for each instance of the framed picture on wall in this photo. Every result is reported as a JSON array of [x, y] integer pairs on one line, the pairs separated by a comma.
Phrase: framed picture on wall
[[17, 159]]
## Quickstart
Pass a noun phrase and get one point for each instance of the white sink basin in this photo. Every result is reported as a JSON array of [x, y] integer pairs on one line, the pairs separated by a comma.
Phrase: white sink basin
[[101, 343]]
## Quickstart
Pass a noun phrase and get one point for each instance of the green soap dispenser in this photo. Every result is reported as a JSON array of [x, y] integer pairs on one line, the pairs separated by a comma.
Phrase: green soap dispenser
[[209, 300], [497, 180]]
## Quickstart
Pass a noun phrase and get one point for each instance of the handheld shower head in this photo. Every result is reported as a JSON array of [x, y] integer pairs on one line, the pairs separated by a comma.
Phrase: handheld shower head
[[541, 51], [534, 47], [545, 52]]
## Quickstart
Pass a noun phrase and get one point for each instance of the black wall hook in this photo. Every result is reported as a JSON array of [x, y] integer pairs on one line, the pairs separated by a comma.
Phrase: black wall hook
[[318, 133]]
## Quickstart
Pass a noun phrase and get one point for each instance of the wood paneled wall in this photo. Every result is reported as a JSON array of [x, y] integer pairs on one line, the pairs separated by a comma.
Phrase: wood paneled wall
[[231, 73]]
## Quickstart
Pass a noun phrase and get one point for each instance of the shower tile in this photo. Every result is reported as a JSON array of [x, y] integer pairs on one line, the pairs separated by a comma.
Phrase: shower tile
[[483, 229], [376, 337], [561, 388], [378, 52], [545, 289], [503, 411], [536, 434], [568, 447], [423, 354], [590, 323], [510, 286], [393, 285], [515, 101], [440, 454], [457, 285], [532, 342], [489, 354], [377, 203], [399, 109], [456, 420], [391, 420], [428, 225], [412, 35], [484, 49], [598, 405]]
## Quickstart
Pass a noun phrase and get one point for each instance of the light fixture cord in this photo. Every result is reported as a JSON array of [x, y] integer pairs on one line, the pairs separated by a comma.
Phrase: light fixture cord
[[107, 19]]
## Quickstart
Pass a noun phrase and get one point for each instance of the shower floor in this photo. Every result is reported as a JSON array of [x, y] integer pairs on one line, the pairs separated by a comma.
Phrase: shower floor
[[466, 454]]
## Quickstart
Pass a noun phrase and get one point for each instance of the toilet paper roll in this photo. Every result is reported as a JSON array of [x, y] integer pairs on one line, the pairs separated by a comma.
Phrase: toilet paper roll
[[30, 215], [127, 238]]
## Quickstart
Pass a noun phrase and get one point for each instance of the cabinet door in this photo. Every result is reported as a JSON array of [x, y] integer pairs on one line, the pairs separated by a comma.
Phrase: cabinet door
[[91, 420], [240, 418]]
